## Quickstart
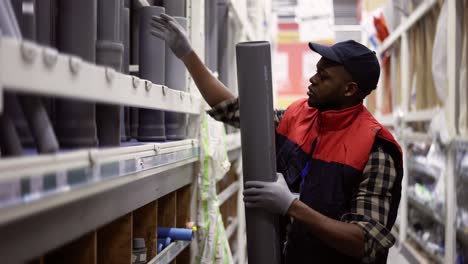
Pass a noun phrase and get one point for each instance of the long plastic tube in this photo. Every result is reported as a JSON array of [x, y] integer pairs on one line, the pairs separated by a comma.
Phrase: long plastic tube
[[258, 144], [175, 233], [76, 30], [211, 33], [125, 37], [152, 57], [109, 52], [176, 78]]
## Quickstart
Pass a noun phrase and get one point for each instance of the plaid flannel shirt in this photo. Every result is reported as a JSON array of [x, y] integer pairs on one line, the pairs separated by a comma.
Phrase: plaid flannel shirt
[[371, 202]]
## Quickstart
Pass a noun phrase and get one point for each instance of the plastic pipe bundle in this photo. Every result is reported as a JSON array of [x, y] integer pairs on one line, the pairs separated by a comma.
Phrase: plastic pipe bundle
[[151, 58], [76, 34], [176, 78], [10, 143], [175, 233], [38, 121], [258, 144]]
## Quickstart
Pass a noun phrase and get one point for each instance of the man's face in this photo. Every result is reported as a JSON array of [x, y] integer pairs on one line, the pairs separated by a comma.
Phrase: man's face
[[328, 86]]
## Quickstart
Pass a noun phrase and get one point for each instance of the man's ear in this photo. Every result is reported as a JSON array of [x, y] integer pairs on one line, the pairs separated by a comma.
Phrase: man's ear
[[351, 89]]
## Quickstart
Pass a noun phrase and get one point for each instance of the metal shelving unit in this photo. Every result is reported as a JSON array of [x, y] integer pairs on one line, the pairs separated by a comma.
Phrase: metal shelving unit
[[58, 75], [401, 120]]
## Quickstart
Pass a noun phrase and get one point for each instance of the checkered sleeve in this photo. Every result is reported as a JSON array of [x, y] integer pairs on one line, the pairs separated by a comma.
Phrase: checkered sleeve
[[370, 204], [228, 112]]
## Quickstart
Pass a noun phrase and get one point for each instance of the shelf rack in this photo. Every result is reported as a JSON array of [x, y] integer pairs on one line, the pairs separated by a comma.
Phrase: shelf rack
[[401, 119]]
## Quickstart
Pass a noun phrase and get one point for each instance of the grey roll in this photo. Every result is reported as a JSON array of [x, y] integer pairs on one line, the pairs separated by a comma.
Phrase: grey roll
[[211, 34], [175, 7], [10, 143], [109, 52], [258, 144], [76, 35], [176, 78], [38, 122], [45, 22], [125, 37], [152, 57]]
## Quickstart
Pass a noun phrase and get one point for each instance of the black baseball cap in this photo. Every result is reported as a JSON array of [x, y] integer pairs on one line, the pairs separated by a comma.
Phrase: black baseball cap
[[357, 59]]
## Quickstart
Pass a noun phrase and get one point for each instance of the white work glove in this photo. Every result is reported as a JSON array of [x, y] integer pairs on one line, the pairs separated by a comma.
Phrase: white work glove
[[166, 27], [274, 197]]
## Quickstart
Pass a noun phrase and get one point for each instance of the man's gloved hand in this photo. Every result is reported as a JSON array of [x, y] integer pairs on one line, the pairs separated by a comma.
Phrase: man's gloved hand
[[166, 27], [274, 197]]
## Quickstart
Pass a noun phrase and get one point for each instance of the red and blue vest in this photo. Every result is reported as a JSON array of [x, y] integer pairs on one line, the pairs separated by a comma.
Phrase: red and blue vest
[[322, 156]]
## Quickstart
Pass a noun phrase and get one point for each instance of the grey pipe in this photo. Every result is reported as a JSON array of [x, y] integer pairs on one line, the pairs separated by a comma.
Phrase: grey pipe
[[176, 78], [175, 7], [211, 34], [109, 52], [125, 37], [45, 22], [10, 144], [8, 23], [76, 30], [152, 57], [38, 122], [258, 144]]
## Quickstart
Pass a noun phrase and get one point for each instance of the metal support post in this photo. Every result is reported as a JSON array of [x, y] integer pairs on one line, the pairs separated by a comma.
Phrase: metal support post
[[258, 144], [405, 90]]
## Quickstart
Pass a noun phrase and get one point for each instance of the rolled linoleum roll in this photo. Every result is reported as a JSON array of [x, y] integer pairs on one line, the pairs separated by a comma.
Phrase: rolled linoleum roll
[[176, 233]]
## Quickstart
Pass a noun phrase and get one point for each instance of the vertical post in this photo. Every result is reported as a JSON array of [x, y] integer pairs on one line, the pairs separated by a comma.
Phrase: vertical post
[[258, 144], [450, 107], [405, 90]]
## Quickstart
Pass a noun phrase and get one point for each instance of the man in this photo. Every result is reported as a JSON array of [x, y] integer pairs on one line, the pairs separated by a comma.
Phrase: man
[[346, 166]]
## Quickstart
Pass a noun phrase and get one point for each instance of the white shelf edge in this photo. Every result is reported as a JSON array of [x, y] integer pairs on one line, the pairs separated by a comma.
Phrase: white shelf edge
[[417, 14], [418, 241], [421, 115], [386, 120], [228, 192], [26, 67], [416, 136], [231, 229], [70, 215], [170, 252], [11, 168]]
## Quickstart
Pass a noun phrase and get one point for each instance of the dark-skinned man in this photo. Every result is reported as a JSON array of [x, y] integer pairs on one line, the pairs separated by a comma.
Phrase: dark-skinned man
[[345, 165]]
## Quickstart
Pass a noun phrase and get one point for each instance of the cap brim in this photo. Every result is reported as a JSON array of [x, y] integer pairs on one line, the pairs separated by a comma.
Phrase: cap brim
[[325, 51]]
